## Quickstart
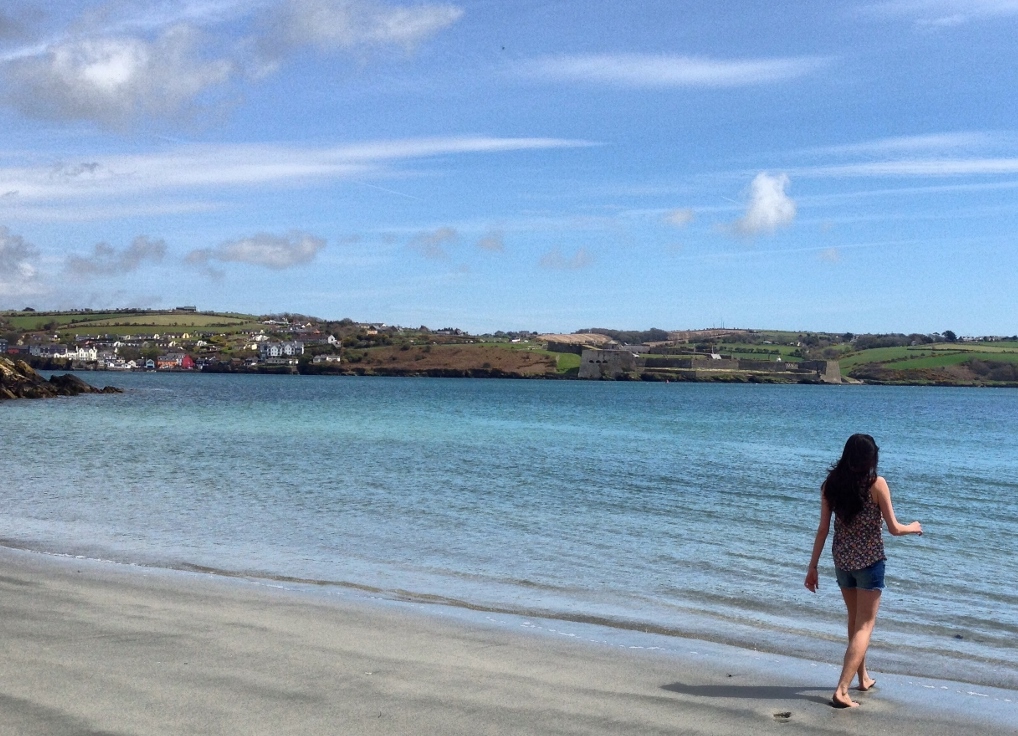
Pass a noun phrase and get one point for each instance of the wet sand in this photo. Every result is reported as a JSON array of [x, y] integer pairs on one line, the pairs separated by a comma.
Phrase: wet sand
[[96, 648]]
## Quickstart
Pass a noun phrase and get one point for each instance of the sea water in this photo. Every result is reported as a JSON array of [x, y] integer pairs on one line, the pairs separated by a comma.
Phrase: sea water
[[682, 509]]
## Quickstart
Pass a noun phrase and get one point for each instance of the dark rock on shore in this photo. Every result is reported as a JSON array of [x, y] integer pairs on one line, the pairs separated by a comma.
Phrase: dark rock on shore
[[18, 380]]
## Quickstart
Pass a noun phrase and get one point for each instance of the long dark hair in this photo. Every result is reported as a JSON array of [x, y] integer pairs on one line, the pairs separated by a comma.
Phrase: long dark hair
[[849, 479]]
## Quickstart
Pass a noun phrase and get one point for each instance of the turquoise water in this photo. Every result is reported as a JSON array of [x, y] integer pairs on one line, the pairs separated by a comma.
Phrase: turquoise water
[[680, 508]]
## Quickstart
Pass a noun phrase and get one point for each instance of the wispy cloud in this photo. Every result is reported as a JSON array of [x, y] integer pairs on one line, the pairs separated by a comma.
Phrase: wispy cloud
[[276, 252], [928, 167], [492, 242], [660, 70], [768, 208], [106, 260], [432, 244], [944, 13], [95, 211], [554, 260], [962, 153], [829, 255], [930, 143], [330, 25], [239, 165], [680, 217]]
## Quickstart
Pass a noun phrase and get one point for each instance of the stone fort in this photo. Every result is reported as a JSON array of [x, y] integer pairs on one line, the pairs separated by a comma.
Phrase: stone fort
[[621, 363]]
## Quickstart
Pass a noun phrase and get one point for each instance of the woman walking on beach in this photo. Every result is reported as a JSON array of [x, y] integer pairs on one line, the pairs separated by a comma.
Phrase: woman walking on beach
[[858, 499]]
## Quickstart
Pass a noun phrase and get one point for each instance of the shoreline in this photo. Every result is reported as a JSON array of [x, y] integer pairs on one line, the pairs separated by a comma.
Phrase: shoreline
[[482, 373], [128, 649], [889, 653]]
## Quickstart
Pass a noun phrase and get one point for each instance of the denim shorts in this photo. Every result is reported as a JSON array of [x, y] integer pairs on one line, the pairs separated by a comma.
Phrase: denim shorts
[[869, 578]]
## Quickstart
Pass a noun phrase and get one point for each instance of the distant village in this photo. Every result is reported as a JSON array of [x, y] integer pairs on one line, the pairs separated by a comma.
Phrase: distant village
[[278, 342], [179, 350]]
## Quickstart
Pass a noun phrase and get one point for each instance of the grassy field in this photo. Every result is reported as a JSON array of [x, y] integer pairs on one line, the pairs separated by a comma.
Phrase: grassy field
[[945, 359], [26, 321], [167, 320], [124, 323], [936, 355], [567, 362], [980, 347], [880, 355]]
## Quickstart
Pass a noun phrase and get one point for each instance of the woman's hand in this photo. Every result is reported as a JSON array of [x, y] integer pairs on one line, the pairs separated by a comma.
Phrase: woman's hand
[[812, 579], [915, 528]]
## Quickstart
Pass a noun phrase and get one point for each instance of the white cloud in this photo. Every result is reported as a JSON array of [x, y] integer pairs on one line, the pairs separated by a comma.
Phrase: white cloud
[[680, 217], [106, 260], [769, 207], [116, 81], [357, 24], [431, 245], [555, 261], [135, 62], [830, 255], [650, 70], [269, 251], [18, 274]]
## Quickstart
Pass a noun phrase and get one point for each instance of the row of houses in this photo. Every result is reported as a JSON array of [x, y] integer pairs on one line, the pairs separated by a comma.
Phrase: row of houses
[[106, 351]]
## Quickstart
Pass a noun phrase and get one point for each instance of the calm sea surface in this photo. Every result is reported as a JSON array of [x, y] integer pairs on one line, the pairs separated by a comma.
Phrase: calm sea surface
[[679, 508]]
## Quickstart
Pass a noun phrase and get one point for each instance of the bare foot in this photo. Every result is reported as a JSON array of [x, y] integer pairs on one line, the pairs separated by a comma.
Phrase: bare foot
[[866, 684], [839, 701]]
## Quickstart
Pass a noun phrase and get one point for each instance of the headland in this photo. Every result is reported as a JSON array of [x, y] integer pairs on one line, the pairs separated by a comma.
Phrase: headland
[[18, 380]]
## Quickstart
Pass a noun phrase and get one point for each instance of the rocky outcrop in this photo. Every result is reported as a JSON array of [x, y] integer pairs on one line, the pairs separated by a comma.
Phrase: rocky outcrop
[[18, 380]]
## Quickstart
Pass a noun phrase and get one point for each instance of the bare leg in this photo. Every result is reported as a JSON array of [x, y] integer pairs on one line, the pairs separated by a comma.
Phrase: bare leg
[[849, 594], [862, 618], [865, 681]]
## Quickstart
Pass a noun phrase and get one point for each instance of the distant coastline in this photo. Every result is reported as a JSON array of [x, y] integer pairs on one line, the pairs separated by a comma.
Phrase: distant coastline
[[186, 339]]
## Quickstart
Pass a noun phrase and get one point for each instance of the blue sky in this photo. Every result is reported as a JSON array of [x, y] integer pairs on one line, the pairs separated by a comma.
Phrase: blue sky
[[842, 166]]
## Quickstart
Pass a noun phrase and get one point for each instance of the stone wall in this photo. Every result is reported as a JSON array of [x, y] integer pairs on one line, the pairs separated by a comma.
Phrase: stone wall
[[608, 364], [566, 347], [689, 361]]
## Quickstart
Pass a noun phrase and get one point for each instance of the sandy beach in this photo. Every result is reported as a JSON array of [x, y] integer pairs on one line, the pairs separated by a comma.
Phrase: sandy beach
[[99, 648]]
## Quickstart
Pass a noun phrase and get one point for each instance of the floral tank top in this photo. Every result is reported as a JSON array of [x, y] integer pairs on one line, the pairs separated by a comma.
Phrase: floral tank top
[[859, 544]]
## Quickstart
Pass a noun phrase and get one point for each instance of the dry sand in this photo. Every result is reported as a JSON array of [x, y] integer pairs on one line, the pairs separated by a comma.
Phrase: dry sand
[[97, 648]]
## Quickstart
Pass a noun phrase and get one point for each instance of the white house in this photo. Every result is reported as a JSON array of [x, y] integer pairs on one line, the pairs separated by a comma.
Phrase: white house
[[277, 349], [83, 354]]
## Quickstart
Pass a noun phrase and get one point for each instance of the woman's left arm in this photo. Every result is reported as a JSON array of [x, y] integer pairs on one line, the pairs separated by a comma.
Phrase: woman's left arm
[[882, 497]]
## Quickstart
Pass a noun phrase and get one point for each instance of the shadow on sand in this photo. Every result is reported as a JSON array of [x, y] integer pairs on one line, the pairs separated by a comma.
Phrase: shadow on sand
[[754, 692]]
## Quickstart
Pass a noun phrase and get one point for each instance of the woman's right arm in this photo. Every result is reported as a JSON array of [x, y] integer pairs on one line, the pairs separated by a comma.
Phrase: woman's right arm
[[882, 497], [812, 581]]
